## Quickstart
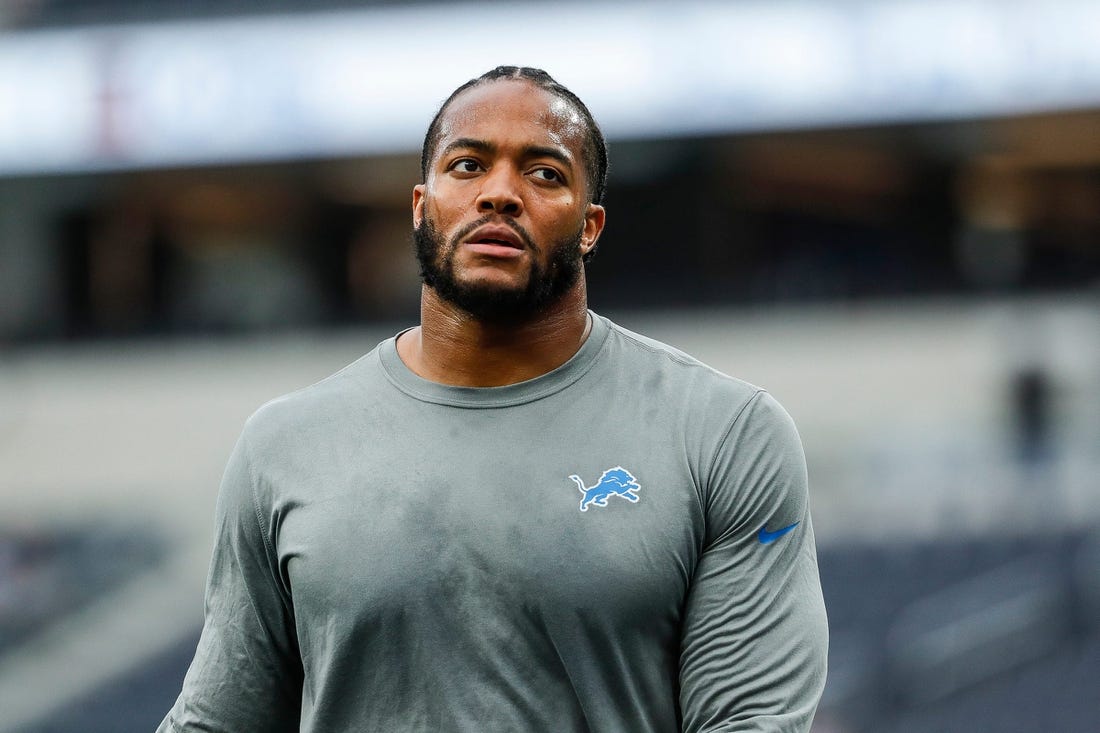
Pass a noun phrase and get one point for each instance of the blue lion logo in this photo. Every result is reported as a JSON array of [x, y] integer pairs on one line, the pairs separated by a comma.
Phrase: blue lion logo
[[614, 482]]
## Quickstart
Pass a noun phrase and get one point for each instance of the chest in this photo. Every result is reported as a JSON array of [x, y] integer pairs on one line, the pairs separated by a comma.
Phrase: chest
[[492, 515]]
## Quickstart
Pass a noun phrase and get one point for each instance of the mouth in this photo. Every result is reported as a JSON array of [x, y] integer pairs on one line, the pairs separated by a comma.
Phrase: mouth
[[496, 235], [495, 240]]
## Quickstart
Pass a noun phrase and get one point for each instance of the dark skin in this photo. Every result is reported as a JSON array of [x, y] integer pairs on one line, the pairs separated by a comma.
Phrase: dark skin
[[511, 152]]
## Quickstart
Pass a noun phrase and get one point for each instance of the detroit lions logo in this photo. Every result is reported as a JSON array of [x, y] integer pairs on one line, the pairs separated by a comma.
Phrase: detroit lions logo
[[614, 482]]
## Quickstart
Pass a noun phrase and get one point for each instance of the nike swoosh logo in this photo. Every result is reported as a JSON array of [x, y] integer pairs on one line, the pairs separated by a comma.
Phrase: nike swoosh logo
[[766, 537]]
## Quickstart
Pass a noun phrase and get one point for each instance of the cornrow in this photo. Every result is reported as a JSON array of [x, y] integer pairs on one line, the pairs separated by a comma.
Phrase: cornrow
[[594, 147]]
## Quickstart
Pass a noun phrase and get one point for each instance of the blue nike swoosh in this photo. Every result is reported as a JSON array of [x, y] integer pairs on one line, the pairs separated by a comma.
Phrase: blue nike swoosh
[[766, 537]]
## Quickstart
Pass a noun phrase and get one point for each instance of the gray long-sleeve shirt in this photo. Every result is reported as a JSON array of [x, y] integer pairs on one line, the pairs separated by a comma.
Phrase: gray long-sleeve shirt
[[623, 544]]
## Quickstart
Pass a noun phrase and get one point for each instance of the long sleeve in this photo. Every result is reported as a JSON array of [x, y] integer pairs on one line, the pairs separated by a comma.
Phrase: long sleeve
[[755, 636], [247, 673]]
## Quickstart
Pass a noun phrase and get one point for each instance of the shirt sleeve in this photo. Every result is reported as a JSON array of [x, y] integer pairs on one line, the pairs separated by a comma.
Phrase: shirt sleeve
[[755, 634], [247, 673]]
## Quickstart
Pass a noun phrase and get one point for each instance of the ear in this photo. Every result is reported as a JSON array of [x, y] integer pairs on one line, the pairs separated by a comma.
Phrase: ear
[[418, 204], [593, 225]]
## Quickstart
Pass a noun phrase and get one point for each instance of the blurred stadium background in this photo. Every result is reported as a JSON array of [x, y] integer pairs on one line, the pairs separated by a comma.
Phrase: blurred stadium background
[[887, 213]]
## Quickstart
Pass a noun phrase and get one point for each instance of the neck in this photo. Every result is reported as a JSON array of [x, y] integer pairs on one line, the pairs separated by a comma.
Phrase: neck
[[453, 347]]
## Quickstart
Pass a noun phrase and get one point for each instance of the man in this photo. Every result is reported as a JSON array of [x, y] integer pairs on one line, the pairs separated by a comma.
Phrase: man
[[517, 516]]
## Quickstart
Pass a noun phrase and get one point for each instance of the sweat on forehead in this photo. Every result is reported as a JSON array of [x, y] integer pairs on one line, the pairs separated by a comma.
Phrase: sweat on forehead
[[555, 98], [485, 104]]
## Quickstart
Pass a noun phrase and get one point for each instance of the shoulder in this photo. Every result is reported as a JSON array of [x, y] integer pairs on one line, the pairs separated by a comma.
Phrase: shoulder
[[673, 369], [306, 414], [720, 413]]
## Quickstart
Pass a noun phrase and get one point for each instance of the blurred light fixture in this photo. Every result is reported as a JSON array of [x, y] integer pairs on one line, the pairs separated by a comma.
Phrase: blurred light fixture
[[365, 82]]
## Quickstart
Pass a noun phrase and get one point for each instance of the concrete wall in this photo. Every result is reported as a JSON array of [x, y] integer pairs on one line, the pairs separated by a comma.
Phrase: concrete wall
[[904, 411]]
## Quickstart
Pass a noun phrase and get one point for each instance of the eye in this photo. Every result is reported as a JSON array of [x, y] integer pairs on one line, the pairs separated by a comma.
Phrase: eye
[[547, 174], [465, 165]]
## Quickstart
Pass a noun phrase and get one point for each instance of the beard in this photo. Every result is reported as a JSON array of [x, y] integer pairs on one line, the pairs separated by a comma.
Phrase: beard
[[546, 284]]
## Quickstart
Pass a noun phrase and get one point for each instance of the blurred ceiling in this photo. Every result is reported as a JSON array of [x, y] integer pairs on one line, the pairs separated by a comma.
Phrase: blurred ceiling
[[218, 89]]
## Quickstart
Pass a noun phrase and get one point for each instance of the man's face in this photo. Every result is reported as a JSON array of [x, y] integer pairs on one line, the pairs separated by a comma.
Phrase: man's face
[[503, 219]]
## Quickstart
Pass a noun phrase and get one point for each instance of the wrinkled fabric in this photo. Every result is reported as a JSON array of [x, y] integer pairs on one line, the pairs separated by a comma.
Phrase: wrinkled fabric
[[579, 552]]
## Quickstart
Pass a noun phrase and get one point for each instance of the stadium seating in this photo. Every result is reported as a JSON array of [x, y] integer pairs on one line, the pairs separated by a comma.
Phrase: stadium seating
[[884, 602]]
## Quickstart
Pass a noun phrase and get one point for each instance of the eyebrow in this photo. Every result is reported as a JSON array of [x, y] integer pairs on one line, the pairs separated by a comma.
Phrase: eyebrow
[[530, 151]]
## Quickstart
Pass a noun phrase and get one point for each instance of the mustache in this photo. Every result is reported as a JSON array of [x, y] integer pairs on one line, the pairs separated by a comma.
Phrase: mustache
[[508, 221]]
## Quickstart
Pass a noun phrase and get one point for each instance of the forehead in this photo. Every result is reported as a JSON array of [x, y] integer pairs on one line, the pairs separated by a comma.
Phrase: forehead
[[511, 110]]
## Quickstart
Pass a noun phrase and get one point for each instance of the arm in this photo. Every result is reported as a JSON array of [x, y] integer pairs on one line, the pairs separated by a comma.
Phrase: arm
[[755, 634], [247, 673]]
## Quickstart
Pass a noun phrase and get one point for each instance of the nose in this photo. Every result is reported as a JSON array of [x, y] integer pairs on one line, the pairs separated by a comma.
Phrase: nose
[[499, 193]]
